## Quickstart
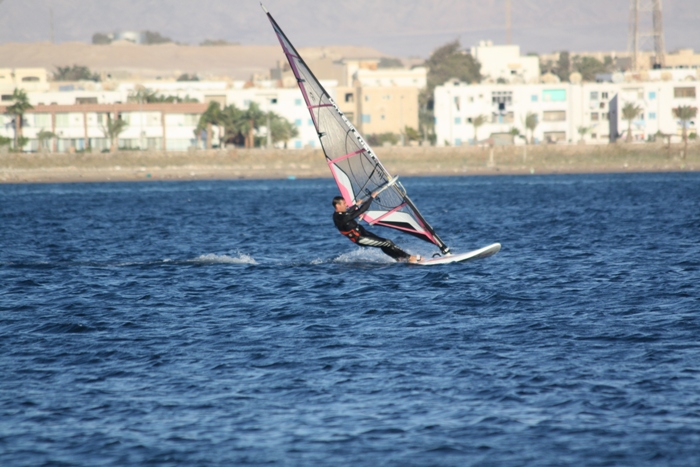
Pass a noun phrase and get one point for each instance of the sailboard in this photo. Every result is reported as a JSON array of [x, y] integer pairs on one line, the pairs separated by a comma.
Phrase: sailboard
[[353, 164]]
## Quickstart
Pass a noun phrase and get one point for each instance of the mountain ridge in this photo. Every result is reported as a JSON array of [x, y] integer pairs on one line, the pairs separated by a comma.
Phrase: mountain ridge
[[391, 26]]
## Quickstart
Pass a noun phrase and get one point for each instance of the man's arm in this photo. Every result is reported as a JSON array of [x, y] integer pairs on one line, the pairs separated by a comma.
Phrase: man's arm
[[359, 208]]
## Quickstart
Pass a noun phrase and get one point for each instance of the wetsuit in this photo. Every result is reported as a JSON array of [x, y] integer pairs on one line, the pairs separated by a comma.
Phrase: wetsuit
[[347, 224]]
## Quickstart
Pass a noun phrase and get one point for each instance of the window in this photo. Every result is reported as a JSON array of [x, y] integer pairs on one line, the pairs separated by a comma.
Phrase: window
[[684, 93], [6, 97], [594, 135], [297, 122], [594, 116], [311, 122], [605, 115], [458, 120], [502, 98], [554, 95], [366, 118], [297, 102], [458, 141], [312, 143], [30, 79], [533, 98], [554, 136], [42, 120], [366, 98], [652, 115], [554, 116], [62, 120], [604, 95], [191, 119], [594, 95], [349, 97], [86, 100], [652, 95], [297, 144], [273, 100], [602, 105]]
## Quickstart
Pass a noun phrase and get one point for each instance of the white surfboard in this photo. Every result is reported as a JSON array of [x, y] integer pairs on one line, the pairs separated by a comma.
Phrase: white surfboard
[[484, 252]]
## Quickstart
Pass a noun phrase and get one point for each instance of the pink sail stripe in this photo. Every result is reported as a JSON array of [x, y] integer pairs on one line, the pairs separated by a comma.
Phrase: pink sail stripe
[[321, 105], [295, 70], [343, 190], [342, 158], [387, 213]]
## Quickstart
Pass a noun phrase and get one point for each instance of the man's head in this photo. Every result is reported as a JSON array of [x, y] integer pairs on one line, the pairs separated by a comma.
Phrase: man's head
[[339, 204]]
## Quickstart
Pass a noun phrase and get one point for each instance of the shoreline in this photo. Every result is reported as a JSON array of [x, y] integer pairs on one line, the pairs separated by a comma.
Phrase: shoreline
[[239, 164]]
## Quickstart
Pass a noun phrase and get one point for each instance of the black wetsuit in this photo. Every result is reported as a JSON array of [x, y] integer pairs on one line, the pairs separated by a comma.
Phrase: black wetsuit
[[347, 224]]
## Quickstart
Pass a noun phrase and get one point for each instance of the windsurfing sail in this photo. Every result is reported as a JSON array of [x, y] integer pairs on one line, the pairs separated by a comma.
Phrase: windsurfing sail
[[355, 167]]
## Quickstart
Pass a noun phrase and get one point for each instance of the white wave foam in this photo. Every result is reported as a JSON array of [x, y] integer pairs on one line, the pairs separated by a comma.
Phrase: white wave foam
[[364, 255], [212, 258]]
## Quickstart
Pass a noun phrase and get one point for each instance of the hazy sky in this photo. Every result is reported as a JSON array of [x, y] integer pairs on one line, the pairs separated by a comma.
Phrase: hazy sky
[[396, 27]]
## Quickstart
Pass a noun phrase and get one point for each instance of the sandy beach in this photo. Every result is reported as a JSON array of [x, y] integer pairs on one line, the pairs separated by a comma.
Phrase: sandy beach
[[404, 161]]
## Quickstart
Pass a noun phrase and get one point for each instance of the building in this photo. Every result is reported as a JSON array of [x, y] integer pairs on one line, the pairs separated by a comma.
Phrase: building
[[29, 79], [82, 126], [566, 113], [503, 63]]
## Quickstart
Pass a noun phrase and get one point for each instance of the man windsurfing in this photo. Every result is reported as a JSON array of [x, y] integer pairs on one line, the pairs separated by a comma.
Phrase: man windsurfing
[[345, 220]]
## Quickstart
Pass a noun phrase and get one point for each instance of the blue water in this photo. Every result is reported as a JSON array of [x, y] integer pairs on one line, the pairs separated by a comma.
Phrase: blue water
[[228, 323]]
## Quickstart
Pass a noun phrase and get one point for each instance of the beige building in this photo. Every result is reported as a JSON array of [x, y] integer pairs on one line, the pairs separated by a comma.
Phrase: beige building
[[29, 79], [376, 110], [683, 58]]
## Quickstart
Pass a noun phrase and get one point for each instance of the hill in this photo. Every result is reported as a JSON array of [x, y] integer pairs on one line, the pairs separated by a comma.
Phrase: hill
[[395, 27]]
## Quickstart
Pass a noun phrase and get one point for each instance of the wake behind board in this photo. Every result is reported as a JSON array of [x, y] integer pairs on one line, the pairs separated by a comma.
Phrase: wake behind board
[[484, 252]]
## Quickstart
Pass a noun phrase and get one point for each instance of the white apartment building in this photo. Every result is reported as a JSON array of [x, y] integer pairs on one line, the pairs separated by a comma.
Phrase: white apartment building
[[79, 126], [416, 77], [504, 63], [561, 110]]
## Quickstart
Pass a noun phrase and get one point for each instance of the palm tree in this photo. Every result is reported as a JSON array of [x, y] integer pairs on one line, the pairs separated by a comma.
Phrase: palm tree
[[211, 116], [476, 123], [583, 131], [43, 136], [629, 113], [112, 130], [531, 122], [20, 106], [685, 113], [253, 118], [232, 120], [281, 129]]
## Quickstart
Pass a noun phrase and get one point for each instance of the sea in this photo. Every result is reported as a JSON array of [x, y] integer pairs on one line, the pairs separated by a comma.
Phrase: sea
[[220, 323]]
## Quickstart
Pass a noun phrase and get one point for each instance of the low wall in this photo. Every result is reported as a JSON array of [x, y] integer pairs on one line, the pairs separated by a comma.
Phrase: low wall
[[308, 163]]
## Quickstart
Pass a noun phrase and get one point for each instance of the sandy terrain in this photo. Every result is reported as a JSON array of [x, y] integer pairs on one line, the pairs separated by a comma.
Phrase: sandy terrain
[[406, 161], [169, 60]]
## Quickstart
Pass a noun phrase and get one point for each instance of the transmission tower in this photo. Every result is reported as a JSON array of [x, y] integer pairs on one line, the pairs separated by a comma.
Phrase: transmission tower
[[509, 29], [646, 25]]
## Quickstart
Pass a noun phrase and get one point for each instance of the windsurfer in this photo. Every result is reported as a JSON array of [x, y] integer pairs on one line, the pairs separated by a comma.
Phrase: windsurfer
[[345, 220]]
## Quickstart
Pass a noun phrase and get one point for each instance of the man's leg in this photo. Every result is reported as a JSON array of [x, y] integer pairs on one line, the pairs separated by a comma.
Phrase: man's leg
[[387, 246]]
